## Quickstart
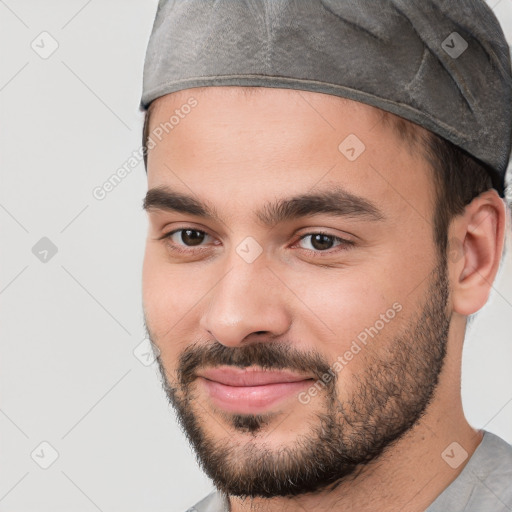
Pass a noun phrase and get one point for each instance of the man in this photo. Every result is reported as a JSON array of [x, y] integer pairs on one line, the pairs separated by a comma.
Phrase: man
[[325, 212]]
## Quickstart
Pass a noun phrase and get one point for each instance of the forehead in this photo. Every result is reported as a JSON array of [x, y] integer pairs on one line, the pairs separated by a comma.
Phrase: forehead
[[261, 96], [250, 141]]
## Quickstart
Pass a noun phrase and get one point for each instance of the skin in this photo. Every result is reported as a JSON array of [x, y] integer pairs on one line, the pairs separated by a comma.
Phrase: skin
[[272, 144]]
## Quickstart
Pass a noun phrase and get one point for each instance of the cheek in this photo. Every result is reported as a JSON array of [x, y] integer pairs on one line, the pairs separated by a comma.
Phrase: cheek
[[350, 312], [349, 298], [168, 295]]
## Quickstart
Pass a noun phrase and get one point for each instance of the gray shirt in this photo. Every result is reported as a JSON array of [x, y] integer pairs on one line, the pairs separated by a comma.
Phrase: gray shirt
[[484, 485]]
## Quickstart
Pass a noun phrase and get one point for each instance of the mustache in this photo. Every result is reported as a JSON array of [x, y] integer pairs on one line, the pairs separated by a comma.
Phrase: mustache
[[267, 355]]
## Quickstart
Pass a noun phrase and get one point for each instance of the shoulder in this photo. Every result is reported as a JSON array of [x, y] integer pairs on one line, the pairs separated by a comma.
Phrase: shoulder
[[496, 454], [485, 483]]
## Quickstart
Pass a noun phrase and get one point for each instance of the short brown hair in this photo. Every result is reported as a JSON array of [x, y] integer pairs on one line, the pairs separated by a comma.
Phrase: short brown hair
[[458, 176]]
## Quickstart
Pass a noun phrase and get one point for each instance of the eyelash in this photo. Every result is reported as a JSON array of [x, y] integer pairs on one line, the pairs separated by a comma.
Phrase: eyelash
[[346, 244]]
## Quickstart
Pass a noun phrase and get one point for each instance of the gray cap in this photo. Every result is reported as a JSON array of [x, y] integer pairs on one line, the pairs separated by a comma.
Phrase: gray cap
[[443, 64]]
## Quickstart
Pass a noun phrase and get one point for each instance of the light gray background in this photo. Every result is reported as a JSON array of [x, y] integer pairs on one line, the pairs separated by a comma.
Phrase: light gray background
[[68, 375]]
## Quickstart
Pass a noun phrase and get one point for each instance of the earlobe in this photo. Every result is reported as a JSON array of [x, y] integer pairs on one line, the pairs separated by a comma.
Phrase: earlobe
[[476, 245]]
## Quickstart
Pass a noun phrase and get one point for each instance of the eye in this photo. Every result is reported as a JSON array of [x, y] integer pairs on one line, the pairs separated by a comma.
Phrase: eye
[[180, 239], [322, 242]]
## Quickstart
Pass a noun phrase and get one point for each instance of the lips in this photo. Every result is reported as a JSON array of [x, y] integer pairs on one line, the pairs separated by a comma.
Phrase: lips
[[250, 390]]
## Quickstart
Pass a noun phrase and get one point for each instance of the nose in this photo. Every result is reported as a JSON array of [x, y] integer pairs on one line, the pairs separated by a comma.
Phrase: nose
[[248, 300]]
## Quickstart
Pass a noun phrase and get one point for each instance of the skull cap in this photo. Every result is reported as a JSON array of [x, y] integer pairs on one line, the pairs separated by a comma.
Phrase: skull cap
[[442, 64]]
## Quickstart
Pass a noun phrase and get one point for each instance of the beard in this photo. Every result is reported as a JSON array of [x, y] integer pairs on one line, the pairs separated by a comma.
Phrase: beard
[[387, 398]]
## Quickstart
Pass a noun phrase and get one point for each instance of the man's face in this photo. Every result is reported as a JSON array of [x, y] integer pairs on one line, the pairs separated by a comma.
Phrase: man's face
[[296, 340]]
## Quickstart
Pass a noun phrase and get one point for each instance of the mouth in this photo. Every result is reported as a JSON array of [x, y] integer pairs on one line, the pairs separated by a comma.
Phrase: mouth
[[250, 390]]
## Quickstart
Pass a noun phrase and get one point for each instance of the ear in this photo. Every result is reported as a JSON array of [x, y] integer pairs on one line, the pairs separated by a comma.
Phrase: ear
[[476, 239]]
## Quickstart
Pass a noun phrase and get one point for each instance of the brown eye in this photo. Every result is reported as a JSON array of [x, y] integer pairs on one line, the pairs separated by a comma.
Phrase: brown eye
[[181, 239], [322, 242], [192, 237], [318, 243]]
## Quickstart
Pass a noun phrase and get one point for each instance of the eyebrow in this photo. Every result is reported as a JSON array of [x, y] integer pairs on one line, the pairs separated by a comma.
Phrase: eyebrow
[[335, 201]]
